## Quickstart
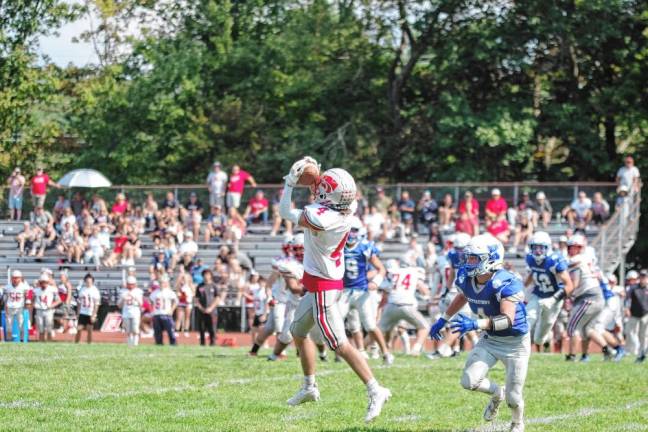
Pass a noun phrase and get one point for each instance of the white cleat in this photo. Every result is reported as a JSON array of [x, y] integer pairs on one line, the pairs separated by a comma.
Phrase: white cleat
[[376, 401], [493, 406], [517, 427], [305, 394], [388, 359]]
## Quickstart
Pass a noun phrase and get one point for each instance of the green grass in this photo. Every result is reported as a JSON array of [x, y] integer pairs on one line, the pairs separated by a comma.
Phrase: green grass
[[112, 387]]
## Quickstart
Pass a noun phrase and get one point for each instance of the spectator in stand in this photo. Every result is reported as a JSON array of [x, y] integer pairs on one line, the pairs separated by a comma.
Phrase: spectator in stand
[[469, 210], [164, 302], [465, 224], [216, 224], [96, 247], [496, 207], [628, 175], [170, 201], [98, 204], [205, 302], [39, 184], [44, 221], [192, 214], [363, 204], [579, 211], [120, 205], [524, 228], [622, 201], [544, 209], [600, 208], [526, 205], [446, 212], [27, 238], [500, 229], [428, 210], [150, 212], [637, 315], [406, 208], [236, 226], [196, 272], [89, 299], [188, 247], [78, 203], [414, 256], [16, 182], [236, 185], [257, 209], [375, 222], [382, 203], [276, 217], [60, 206], [118, 250], [216, 183]]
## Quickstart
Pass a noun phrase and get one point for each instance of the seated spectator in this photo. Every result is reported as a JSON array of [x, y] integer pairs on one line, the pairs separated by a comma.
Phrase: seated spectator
[[197, 271], [277, 221], [600, 208], [43, 220], [98, 204], [192, 215], [375, 222], [216, 224], [524, 228], [499, 228], [85, 221], [67, 217], [150, 211], [406, 208], [363, 204], [446, 212], [97, 246], [236, 226], [188, 247], [465, 224], [120, 206], [496, 207], [544, 209], [78, 203], [170, 201], [414, 255], [579, 211], [160, 262], [132, 248], [60, 205], [382, 201], [435, 237], [428, 210], [118, 250], [257, 209], [70, 244], [469, 207]]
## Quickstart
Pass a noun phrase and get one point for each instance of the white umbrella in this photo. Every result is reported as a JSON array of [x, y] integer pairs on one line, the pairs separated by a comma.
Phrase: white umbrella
[[87, 178]]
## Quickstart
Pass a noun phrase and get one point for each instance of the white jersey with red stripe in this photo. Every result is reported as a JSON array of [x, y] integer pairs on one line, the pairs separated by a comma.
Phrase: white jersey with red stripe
[[132, 301], [15, 295], [323, 249], [45, 298], [292, 268], [259, 299], [89, 298], [588, 283], [404, 282], [279, 291], [163, 300]]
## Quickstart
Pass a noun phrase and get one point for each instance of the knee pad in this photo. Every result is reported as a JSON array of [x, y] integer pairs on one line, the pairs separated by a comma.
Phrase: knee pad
[[468, 383], [286, 338], [514, 399]]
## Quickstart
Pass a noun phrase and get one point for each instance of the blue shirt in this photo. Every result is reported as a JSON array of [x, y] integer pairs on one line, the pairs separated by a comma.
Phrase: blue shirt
[[607, 292], [356, 263], [545, 280], [485, 301], [196, 273]]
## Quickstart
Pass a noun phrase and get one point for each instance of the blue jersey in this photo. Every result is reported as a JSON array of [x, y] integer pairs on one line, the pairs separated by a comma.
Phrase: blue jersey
[[545, 280], [356, 264], [607, 292], [485, 301], [455, 259]]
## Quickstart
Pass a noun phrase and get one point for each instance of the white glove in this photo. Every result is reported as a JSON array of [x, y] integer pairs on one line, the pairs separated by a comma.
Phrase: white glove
[[297, 169], [548, 303]]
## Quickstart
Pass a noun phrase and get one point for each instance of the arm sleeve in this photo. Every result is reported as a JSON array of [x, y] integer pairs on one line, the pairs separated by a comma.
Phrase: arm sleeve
[[284, 206]]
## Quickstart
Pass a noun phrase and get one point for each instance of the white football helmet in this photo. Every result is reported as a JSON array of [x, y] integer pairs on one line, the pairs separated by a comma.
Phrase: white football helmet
[[484, 254], [286, 244], [297, 246], [540, 246], [460, 241], [336, 189], [392, 264], [575, 246]]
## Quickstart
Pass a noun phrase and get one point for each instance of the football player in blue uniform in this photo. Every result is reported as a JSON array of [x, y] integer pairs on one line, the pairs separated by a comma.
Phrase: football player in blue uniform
[[358, 304], [549, 274], [496, 296]]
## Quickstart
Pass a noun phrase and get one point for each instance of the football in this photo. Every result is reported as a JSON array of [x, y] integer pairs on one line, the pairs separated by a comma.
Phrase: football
[[309, 175]]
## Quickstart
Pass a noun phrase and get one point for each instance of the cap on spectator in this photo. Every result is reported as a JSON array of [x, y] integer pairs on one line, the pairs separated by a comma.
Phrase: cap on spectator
[[44, 278], [17, 169], [540, 195], [47, 271], [643, 273], [525, 193], [562, 239], [427, 193], [193, 194], [189, 234], [218, 206], [623, 188], [16, 274], [131, 280], [216, 163], [632, 274], [379, 189], [132, 269], [496, 192]]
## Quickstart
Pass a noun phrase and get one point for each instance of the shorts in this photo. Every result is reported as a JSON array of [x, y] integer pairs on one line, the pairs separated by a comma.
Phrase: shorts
[[233, 200], [38, 200], [216, 199], [365, 305], [258, 320], [44, 320], [132, 324], [84, 320], [15, 202], [393, 314], [584, 316], [320, 309]]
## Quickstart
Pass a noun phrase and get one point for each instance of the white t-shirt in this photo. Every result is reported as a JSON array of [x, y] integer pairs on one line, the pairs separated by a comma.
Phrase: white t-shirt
[[627, 175], [188, 247], [580, 207], [324, 250], [375, 223], [89, 298], [217, 182], [15, 295], [404, 282], [132, 301], [45, 298], [163, 300], [260, 299]]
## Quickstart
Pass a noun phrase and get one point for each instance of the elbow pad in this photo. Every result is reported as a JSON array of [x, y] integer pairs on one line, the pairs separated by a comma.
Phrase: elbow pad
[[500, 322]]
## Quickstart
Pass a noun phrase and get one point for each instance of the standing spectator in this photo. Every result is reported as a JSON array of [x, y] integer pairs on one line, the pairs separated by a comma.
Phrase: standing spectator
[[446, 212], [580, 210], [205, 302], [257, 209], [383, 202], [88, 301], [375, 222], [496, 207], [216, 182], [622, 201], [39, 184], [150, 212], [600, 208], [469, 209], [16, 182], [406, 208], [236, 184], [628, 175], [428, 210], [14, 296], [544, 209], [164, 302], [638, 315], [46, 299]]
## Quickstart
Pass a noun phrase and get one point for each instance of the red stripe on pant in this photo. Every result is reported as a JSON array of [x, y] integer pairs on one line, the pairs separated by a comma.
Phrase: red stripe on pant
[[573, 323], [331, 340]]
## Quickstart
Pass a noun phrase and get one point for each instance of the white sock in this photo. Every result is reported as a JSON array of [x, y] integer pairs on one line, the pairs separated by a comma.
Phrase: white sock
[[489, 387], [416, 349], [405, 340], [309, 381], [136, 339], [517, 414], [372, 385]]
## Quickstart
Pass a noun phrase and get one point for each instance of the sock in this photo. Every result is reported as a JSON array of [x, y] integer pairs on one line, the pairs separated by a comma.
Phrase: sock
[[416, 349], [606, 350], [309, 381], [130, 340], [517, 413], [255, 348], [489, 387], [404, 337], [136, 340], [372, 385]]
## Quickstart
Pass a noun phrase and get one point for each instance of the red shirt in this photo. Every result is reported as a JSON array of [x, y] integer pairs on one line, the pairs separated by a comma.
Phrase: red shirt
[[119, 244], [475, 207], [498, 227], [465, 226], [118, 208], [39, 184], [497, 206], [258, 205], [237, 181]]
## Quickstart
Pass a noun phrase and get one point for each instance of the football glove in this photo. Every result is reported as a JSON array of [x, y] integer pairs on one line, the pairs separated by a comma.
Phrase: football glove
[[297, 170], [435, 330], [463, 324], [548, 303]]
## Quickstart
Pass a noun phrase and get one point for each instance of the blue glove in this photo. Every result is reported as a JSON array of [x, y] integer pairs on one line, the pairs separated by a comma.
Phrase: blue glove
[[463, 324], [435, 330]]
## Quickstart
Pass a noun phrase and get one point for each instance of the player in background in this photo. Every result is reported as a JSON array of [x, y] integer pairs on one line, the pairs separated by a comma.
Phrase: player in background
[[402, 303], [260, 296], [496, 296], [327, 223], [46, 299], [88, 305], [548, 274], [164, 302], [608, 324], [278, 302], [130, 301], [359, 285], [588, 301], [14, 300]]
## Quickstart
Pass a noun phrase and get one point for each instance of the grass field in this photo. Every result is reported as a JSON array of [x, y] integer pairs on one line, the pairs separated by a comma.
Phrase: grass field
[[111, 387]]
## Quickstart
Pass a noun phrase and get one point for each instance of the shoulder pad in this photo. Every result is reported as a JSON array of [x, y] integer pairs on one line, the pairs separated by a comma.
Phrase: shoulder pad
[[322, 217], [501, 278]]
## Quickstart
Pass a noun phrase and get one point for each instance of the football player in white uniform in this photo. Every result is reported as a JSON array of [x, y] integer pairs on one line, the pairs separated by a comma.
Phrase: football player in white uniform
[[402, 303], [46, 299], [327, 225], [131, 300], [15, 294], [89, 299]]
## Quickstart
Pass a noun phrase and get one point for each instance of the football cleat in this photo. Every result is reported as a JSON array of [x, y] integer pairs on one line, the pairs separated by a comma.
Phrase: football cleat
[[570, 357], [376, 401], [640, 359], [305, 394], [517, 427], [584, 358], [388, 359], [493, 406], [619, 354]]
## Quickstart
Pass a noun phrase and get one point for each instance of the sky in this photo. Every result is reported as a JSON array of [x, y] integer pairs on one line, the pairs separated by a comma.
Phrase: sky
[[63, 51]]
